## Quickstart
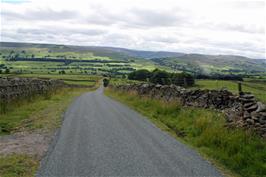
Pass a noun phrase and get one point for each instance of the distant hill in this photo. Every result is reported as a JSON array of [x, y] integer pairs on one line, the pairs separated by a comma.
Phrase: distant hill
[[194, 63], [213, 63], [111, 52]]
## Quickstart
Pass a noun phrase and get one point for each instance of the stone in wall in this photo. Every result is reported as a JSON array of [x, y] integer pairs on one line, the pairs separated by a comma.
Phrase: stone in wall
[[14, 88]]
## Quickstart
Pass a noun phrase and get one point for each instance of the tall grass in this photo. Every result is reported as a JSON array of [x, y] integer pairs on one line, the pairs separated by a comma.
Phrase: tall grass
[[38, 112], [7, 105], [244, 153]]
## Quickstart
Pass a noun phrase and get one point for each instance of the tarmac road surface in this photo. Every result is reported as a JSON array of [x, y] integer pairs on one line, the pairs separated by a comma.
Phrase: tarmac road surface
[[102, 137]]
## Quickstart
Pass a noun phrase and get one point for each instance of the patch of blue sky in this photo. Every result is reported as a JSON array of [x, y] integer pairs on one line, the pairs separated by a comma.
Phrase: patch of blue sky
[[14, 1]]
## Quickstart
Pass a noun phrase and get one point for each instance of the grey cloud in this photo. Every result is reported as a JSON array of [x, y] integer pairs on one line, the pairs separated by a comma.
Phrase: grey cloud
[[131, 28], [40, 14], [49, 14], [139, 18], [152, 18], [162, 39], [134, 17], [242, 28], [102, 18], [247, 4], [245, 28], [61, 31]]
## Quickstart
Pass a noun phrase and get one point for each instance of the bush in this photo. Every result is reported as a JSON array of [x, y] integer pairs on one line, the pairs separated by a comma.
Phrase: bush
[[141, 75], [62, 72], [160, 77], [7, 71], [105, 82]]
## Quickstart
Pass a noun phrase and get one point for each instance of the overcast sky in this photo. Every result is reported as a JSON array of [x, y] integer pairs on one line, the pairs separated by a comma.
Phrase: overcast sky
[[191, 26]]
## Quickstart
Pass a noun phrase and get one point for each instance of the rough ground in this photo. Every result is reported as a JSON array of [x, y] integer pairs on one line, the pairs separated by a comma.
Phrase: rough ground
[[35, 144], [101, 137]]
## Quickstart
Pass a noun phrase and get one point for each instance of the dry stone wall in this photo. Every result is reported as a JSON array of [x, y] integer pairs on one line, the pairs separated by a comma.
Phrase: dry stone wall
[[240, 110], [14, 88]]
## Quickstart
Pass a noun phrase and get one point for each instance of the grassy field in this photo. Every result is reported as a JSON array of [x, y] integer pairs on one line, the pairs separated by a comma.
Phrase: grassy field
[[256, 88], [93, 65], [74, 79], [243, 153], [44, 111], [120, 81], [40, 113]]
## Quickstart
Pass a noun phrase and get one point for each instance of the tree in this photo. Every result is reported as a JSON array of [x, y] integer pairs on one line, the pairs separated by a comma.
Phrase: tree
[[142, 75], [7, 71], [62, 72], [160, 77]]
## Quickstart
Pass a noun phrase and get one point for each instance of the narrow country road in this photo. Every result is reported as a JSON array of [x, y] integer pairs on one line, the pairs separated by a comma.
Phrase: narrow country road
[[102, 137]]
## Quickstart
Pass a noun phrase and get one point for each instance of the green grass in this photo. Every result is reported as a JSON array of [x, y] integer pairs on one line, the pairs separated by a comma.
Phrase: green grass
[[243, 153], [18, 165], [123, 66], [41, 112], [81, 83], [257, 88], [120, 81], [75, 79]]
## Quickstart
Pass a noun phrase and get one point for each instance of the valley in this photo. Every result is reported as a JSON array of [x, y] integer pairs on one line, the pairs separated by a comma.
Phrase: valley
[[80, 70], [26, 58]]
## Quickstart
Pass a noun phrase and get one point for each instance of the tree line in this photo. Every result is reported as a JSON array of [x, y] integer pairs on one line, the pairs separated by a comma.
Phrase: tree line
[[158, 76]]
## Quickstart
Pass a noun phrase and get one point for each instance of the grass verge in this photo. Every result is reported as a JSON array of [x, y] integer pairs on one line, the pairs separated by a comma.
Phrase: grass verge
[[243, 153], [40, 113], [18, 165]]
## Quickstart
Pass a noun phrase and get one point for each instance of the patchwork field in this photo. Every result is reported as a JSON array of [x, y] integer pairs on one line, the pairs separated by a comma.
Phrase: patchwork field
[[54, 60], [65, 59], [83, 68]]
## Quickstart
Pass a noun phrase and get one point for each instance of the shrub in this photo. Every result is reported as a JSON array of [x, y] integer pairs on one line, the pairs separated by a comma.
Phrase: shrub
[[105, 82], [141, 75], [7, 71]]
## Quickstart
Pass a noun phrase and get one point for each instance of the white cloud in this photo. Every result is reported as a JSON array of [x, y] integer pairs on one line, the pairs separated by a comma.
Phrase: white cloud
[[206, 26]]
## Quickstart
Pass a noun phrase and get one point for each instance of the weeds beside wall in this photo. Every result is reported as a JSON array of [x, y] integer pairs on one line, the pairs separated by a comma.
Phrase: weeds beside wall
[[14, 89], [243, 152], [240, 110]]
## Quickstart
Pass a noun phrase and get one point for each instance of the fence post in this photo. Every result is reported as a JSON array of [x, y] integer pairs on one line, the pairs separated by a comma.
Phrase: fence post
[[240, 88], [185, 82]]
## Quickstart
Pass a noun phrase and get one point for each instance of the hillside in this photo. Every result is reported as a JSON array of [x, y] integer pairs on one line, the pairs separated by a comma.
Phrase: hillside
[[112, 52], [207, 64], [51, 58]]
